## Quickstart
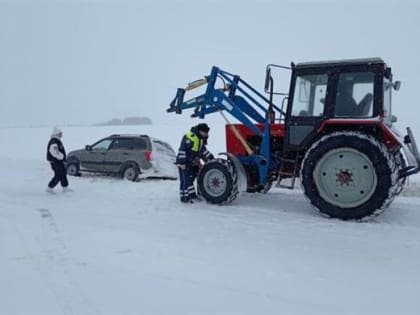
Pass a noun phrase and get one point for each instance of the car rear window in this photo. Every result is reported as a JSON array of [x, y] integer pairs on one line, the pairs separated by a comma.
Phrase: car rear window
[[140, 144], [162, 147]]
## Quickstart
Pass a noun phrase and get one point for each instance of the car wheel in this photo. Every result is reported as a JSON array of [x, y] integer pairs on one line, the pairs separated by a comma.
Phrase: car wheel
[[131, 172], [73, 169]]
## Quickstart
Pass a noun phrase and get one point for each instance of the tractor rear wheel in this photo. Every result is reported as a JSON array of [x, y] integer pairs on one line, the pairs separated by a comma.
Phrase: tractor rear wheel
[[218, 182], [349, 175]]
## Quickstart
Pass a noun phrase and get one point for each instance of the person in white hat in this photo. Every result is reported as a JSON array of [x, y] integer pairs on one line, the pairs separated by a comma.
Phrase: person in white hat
[[56, 155]]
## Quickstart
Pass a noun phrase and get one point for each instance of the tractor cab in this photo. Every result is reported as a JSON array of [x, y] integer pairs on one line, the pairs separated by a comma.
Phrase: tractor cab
[[349, 92]]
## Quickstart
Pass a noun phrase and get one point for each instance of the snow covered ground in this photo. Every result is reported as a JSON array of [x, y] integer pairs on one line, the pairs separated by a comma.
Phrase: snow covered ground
[[116, 247]]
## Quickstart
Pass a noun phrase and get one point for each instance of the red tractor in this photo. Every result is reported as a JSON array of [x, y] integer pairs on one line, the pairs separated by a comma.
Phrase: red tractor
[[334, 129]]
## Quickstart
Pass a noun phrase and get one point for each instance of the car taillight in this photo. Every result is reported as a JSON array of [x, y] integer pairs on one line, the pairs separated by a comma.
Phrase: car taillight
[[148, 155]]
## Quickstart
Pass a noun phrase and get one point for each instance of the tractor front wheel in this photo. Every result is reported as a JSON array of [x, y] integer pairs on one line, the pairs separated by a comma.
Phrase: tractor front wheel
[[349, 175], [218, 182]]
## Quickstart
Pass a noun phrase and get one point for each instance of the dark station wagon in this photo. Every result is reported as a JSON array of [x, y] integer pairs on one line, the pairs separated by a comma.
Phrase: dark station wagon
[[132, 156]]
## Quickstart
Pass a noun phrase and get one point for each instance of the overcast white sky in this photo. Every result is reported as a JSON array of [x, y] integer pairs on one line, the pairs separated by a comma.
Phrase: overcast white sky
[[80, 62]]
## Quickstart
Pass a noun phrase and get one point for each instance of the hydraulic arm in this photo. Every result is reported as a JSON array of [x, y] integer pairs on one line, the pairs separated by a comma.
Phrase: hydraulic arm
[[239, 99]]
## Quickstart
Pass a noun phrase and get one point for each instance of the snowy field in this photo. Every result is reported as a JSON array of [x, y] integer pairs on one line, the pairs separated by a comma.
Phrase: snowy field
[[116, 247]]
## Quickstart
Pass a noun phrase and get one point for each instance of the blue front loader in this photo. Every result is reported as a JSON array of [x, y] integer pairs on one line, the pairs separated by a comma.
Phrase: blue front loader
[[244, 103]]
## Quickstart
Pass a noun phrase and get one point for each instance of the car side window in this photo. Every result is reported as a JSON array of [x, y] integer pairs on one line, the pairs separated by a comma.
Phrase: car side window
[[140, 144], [102, 145], [122, 144]]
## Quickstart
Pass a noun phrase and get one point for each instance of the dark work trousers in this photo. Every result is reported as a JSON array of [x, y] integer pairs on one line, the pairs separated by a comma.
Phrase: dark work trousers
[[60, 174], [186, 186]]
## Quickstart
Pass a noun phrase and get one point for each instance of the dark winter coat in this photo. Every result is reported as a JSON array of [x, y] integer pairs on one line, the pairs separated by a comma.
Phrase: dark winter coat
[[55, 151]]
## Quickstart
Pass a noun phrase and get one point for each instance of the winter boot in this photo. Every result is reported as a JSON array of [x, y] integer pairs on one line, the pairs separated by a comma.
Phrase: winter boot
[[186, 200], [50, 190], [197, 198]]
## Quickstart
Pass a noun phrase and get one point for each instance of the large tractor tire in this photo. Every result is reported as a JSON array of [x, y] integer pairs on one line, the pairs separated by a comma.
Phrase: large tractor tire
[[400, 163], [218, 182], [350, 175]]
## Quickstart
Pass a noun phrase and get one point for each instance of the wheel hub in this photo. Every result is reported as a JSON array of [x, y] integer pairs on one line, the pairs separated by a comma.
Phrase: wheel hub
[[345, 177], [215, 183], [129, 174], [72, 170]]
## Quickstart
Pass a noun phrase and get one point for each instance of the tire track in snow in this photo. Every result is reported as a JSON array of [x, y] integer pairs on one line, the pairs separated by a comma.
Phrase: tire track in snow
[[55, 266], [46, 249], [35, 261]]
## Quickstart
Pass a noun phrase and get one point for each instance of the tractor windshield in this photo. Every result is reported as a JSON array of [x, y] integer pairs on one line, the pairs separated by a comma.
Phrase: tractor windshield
[[309, 95]]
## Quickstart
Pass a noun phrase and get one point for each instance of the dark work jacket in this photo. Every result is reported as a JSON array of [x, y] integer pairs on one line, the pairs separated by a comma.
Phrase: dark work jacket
[[192, 147]]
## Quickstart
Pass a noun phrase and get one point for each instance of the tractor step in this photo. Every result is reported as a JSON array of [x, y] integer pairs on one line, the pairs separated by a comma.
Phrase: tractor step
[[284, 173], [290, 174], [287, 160], [286, 186], [283, 186]]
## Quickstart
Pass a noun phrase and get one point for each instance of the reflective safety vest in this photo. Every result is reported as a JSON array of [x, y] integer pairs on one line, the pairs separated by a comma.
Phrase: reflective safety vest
[[196, 141]]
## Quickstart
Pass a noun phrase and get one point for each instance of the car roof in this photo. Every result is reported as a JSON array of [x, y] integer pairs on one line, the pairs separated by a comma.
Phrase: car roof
[[128, 135], [158, 140]]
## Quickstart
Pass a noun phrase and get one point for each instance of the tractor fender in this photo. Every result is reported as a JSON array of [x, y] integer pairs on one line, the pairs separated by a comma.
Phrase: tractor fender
[[240, 170]]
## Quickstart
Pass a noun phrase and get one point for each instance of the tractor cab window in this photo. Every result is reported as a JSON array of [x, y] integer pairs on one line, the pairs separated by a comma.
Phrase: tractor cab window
[[309, 95], [355, 95]]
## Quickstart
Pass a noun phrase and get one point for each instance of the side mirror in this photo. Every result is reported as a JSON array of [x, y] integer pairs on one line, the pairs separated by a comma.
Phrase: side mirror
[[277, 73], [396, 85], [268, 80], [394, 119], [88, 148], [388, 73]]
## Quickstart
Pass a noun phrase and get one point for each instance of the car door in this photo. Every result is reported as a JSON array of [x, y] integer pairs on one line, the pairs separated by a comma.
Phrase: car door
[[120, 151], [93, 158]]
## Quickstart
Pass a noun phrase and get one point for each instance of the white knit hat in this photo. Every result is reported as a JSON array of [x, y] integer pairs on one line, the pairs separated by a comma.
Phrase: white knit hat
[[56, 132]]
